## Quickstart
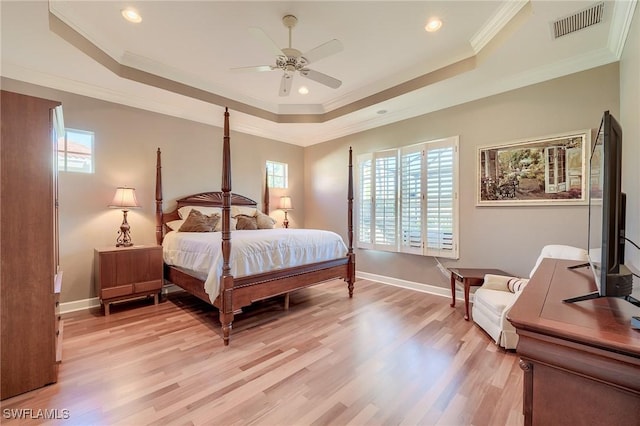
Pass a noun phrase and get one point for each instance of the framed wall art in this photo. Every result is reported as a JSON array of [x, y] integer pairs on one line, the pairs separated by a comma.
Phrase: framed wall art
[[544, 171]]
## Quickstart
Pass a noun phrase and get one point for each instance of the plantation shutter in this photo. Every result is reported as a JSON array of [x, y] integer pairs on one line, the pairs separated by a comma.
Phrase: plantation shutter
[[411, 199], [441, 162], [385, 172], [365, 201], [408, 199]]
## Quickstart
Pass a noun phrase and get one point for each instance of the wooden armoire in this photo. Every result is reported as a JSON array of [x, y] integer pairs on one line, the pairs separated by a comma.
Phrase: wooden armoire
[[30, 278]]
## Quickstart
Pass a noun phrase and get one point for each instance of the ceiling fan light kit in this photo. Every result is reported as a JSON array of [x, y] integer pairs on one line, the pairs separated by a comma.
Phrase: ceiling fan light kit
[[291, 60]]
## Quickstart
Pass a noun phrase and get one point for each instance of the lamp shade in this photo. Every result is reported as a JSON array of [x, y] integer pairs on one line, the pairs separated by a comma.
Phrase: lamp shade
[[125, 198], [285, 203]]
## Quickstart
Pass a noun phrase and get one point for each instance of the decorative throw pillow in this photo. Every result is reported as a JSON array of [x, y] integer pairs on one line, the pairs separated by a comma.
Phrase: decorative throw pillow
[[246, 222], [265, 221], [198, 222], [515, 285]]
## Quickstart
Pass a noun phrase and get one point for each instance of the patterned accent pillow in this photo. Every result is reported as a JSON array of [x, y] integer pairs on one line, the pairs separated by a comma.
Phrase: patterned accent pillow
[[515, 285], [199, 222], [246, 222], [265, 221]]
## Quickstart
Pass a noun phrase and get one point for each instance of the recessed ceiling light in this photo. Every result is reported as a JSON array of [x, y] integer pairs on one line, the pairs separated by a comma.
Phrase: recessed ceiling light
[[433, 25], [303, 90], [131, 15]]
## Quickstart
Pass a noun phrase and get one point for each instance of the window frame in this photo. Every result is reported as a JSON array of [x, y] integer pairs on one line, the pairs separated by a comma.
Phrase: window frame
[[407, 239], [63, 150], [271, 175]]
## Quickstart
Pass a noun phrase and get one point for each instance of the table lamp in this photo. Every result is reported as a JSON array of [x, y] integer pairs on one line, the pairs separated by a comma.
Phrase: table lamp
[[285, 205], [124, 199]]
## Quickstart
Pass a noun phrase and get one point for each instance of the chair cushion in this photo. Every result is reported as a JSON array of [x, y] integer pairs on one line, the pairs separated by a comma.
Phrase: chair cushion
[[495, 301]]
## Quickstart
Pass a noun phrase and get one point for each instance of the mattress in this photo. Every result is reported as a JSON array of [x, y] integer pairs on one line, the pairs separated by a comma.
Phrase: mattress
[[252, 252]]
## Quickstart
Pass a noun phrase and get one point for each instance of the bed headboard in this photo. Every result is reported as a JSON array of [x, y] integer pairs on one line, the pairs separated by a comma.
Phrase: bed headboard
[[206, 199], [214, 199]]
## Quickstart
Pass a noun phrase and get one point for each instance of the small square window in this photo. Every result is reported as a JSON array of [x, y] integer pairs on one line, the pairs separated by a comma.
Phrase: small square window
[[75, 151], [277, 174]]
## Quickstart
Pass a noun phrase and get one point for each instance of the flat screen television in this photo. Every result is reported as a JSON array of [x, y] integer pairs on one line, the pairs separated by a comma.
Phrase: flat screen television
[[607, 205]]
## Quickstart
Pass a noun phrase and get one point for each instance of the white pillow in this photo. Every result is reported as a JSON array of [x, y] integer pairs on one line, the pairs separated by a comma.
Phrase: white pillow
[[183, 212], [243, 210], [174, 225]]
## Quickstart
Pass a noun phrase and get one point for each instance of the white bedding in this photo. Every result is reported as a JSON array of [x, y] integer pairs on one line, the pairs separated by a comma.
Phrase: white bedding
[[252, 252]]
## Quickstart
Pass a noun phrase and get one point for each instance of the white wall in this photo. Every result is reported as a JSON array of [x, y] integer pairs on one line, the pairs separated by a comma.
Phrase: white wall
[[630, 122], [508, 238]]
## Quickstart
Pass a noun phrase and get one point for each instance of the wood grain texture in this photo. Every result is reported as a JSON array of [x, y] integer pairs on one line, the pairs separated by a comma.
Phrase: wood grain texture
[[28, 244], [389, 356]]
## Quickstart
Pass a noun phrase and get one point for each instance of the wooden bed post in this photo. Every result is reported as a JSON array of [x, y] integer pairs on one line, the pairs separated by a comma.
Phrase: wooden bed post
[[265, 205], [226, 285], [352, 256], [158, 198]]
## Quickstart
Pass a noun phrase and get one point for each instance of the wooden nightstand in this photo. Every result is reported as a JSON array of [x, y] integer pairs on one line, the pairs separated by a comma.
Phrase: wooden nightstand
[[127, 272]]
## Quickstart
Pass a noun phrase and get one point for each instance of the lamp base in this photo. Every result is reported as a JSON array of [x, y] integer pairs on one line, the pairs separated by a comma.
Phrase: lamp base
[[124, 237], [285, 222]]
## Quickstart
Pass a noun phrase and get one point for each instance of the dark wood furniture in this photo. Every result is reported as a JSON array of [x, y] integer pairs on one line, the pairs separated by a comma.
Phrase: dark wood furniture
[[236, 293], [469, 277], [123, 273], [581, 360], [30, 278]]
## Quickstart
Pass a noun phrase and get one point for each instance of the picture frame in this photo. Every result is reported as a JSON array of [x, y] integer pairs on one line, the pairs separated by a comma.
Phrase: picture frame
[[544, 171]]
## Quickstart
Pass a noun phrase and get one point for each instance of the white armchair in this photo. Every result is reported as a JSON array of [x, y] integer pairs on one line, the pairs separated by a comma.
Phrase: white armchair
[[493, 300]]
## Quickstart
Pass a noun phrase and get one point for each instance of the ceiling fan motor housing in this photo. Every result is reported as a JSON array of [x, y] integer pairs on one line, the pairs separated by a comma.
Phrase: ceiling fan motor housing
[[293, 61]]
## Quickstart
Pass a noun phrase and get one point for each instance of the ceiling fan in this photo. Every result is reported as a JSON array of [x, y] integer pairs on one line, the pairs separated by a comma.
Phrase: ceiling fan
[[291, 60]]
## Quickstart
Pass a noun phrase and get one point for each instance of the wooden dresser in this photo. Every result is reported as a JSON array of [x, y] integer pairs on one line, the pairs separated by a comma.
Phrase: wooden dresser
[[30, 279], [581, 360]]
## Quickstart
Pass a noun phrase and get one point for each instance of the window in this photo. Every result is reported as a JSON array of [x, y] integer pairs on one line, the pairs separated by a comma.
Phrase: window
[[407, 199], [75, 151], [277, 174]]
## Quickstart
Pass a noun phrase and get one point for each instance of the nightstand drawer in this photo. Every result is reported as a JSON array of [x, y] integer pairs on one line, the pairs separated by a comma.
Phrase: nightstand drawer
[[148, 286], [112, 292]]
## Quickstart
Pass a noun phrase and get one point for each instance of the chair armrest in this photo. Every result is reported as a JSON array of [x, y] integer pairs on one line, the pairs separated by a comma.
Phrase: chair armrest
[[496, 282]]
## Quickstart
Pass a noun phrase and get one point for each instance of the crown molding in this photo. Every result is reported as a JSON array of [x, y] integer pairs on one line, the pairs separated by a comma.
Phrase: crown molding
[[620, 24], [496, 24]]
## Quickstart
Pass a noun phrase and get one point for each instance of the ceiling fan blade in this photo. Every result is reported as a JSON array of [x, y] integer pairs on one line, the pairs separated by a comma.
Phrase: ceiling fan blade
[[321, 78], [258, 68], [285, 84], [266, 41], [329, 48]]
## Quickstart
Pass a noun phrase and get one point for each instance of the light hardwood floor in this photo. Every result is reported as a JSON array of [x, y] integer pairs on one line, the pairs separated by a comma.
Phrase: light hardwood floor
[[389, 356]]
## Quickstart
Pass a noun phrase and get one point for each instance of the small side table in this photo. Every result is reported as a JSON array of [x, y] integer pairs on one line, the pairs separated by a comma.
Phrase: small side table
[[128, 272], [469, 277]]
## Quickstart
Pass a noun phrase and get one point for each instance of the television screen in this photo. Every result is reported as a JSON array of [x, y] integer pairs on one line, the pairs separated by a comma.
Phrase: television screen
[[607, 211], [607, 214], [596, 167]]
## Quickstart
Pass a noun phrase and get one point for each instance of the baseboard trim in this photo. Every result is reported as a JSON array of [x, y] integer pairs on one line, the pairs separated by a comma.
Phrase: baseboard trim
[[411, 285], [79, 305]]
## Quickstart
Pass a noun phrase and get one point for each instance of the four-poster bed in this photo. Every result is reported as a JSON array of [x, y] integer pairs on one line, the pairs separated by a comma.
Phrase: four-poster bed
[[232, 293]]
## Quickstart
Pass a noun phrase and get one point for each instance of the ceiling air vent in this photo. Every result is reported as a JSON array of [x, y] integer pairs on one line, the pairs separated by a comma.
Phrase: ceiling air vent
[[578, 21]]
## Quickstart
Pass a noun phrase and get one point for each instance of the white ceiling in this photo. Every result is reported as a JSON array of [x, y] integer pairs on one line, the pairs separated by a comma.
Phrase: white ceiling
[[389, 61]]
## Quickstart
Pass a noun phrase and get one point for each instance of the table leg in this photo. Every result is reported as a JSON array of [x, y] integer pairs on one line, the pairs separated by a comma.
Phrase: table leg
[[453, 291], [467, 286]]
